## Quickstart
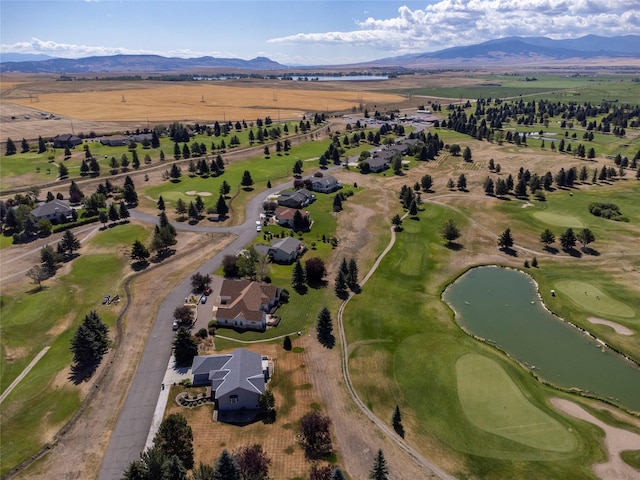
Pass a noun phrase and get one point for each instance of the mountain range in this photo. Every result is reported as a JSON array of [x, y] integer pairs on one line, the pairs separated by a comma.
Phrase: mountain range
[[507, 51]]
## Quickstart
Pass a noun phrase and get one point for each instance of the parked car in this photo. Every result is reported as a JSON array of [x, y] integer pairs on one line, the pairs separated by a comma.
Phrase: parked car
[[204, 299], [208, 291], [106, 298], [258, 228], [175, 326]]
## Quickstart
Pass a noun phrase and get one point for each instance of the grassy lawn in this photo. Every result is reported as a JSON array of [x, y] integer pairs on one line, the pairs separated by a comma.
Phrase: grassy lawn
[[45, 400], [559, 88], [414, 343]]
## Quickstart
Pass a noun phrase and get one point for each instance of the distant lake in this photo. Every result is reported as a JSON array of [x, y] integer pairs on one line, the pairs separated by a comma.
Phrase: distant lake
[[503, 307], [343, 78]]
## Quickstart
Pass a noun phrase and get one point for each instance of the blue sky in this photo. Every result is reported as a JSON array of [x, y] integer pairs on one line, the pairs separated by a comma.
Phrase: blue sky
[[302, 32]]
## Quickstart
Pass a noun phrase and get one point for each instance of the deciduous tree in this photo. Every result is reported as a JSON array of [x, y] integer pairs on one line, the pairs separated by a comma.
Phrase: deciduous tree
[[315, 436]]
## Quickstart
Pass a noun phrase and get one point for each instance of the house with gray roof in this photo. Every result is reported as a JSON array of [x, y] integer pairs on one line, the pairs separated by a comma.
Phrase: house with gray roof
[[66, 141], [296, 198], [283, 250], [56, 211], [324, 184], [237, 379]]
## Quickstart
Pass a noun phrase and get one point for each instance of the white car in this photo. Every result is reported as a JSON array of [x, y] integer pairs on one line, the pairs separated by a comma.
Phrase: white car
[[258, 228]]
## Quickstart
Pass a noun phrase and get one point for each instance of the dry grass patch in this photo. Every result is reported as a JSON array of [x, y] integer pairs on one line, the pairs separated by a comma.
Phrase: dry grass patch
[[165, 102]]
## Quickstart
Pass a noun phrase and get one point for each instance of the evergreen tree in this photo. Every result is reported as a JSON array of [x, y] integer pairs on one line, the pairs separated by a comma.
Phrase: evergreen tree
[[181, 207], [113, 213], [42, 147], [298, 278], [221, 207], [379, 471], [340, 283], [10, 148], [286, 343], [505, 241], [324, 327], [396, 421], [89, 343], [568, 239], [246, 181], [352, 274], [450, 231], [585, 237], [184, 348], [160, 204], [175, 438], [139, 253], [69, 243], [226, 467], [547, 237]]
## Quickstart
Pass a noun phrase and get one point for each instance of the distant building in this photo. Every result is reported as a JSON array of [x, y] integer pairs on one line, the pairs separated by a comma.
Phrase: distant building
[[66, 141], [283, 250], [326, 184], [296, 198]]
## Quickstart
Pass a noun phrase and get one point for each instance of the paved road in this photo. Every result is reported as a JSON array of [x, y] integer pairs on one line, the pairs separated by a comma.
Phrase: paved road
[[130, 434]]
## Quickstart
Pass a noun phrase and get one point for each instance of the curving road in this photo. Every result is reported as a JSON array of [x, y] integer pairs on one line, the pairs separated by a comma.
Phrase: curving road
[[128, 439]]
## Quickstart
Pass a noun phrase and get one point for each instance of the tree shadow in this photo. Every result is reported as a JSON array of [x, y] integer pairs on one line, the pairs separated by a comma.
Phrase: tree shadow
[[317, 284], [415, 218], [399, 429], [301, 290], [591, 251], [573, 252], [455, 246], [509, 251], [502, 197], [551, 250], [140, 265]]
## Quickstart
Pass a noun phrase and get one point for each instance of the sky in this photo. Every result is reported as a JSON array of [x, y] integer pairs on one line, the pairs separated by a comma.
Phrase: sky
[[296, 32]]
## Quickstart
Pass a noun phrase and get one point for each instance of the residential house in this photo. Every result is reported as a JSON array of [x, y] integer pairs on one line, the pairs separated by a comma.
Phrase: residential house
[[284, 216], [326, 184], [237, 379], [66, 141], [56, 211], [142, 137], [114, 140], [244, 304], [377, 164], [296, 198], [283, 250]]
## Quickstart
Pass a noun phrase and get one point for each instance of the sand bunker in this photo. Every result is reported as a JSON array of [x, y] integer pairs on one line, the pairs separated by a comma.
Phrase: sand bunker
[[190, 192], [204, 194], [621, 329], [616, 441]]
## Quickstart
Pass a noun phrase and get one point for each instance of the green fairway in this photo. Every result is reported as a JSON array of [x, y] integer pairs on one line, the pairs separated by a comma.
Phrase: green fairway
[[593, 299], [558, 220], [492, 402]]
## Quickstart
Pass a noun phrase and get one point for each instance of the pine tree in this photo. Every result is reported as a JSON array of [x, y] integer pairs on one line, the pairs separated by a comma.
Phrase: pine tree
[[505, 241], [352, 274], [69, 243], [89, 344], [175, 438], [139, 253], [10, 148], [324, 326], [298, 278], [379, 471], [160, 204], [184, 348], [226, 467], [396, 421]]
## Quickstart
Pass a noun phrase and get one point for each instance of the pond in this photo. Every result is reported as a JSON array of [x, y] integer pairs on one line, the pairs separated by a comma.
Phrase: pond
[[502, 306]]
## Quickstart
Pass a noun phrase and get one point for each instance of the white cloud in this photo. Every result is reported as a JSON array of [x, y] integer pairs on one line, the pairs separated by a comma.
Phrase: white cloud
[[449, 23], [65, 50]]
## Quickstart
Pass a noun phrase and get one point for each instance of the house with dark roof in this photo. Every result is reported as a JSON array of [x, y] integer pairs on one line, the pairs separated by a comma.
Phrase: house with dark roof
[[296, 198], [324, 184], [66, 141], [237, 379], [245, 304], [377, 164], [114, 140], [56, 211], [283, 250]]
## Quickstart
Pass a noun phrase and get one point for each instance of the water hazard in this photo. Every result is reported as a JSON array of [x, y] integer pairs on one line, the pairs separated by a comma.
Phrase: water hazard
[[503, 307]]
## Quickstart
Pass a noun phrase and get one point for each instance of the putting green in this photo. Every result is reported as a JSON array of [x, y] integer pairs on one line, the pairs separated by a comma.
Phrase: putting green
[[590, 298], [559, 220], [494, 403]]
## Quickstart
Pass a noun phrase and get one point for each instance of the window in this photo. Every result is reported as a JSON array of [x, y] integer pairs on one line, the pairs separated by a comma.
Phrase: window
[[233, 399]]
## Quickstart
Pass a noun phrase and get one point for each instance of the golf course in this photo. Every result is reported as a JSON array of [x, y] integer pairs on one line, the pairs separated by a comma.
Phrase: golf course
[[474, 340]]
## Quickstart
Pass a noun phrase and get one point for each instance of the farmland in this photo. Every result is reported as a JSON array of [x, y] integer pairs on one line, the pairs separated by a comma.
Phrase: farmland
[[404, 347]]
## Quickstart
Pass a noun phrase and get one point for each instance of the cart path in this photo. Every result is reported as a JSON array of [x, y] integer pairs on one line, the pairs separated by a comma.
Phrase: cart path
[[24, 373]]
